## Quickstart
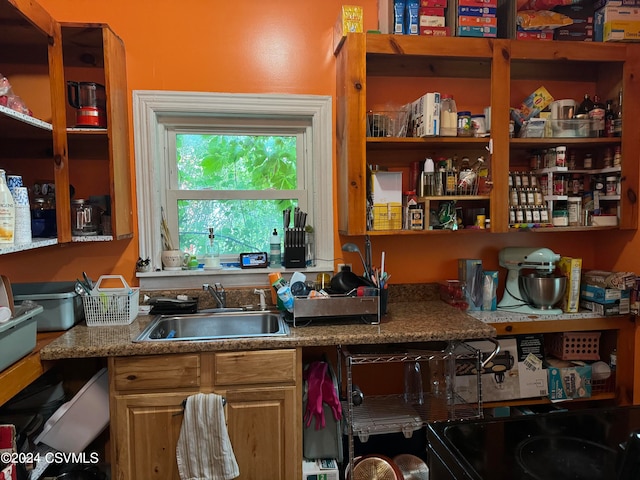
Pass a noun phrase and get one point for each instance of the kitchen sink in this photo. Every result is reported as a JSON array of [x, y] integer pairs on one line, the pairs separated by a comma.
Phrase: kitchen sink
[[213, 326]]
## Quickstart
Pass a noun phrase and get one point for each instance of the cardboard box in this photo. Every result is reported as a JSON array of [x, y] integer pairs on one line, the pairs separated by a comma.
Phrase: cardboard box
[[472, 21], [386, 187], [349, 21], [621, 31], [8, 445], [579, 12], [571, 268], [478, 3], [431, 11], [610, 14], [568, 379], [516, 372], [470, 272], [319, 469], [573, 35], [435, 31], [621, 307], [607, 279], [431, 21], [479, 11], [425, 115], [598, 294], [478, 31], [433, 3], [534, 34], [532, 105], [597, 4]]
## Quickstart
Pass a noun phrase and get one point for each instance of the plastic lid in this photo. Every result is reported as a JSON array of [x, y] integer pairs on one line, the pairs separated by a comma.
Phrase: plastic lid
[[464, 113], [446, 95]]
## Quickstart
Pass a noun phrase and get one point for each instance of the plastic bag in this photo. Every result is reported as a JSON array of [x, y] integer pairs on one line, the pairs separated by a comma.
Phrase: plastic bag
[[542, 19], [9, 99], [544, 4]]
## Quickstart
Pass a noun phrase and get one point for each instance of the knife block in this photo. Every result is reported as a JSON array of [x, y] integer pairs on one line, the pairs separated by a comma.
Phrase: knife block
[[295, 257]]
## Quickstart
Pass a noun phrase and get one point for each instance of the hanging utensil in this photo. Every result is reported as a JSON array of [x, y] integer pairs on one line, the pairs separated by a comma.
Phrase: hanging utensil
[[88, 280]]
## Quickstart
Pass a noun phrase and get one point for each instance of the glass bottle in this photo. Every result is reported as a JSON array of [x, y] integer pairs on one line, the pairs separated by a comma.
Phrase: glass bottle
[[617, 120], [596, 115], [585, 106], [609, 117], [448, 116]]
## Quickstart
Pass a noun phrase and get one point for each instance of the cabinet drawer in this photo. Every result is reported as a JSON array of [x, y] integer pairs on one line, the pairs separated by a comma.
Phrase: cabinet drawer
[[260, 367], [156, 372]]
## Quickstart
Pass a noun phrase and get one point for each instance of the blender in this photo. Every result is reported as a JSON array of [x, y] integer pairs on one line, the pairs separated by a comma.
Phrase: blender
[[89, 100], [535, 292]]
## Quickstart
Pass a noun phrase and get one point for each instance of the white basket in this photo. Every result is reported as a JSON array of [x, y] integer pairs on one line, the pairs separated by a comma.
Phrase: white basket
[[111, 306]]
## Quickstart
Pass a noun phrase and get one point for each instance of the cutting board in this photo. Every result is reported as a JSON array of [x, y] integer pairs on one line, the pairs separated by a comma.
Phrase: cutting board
[[6, 295]]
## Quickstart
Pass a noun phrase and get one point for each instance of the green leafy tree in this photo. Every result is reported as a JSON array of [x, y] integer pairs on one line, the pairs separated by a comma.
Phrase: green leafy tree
[[233, 163]]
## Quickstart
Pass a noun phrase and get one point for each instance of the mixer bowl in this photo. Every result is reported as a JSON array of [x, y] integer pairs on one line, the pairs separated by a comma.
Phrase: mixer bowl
[[542, 291]]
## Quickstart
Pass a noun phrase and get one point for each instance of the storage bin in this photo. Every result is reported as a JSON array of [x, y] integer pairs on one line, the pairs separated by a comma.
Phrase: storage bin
[[62, 305], [574, 345], [80, 420], [18, 337]]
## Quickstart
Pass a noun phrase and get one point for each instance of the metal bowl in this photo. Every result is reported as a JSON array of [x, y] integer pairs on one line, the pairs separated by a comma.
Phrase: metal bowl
[[542, 291]]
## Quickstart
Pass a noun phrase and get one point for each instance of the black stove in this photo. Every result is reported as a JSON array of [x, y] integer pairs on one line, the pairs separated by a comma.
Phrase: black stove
[[590, 444]]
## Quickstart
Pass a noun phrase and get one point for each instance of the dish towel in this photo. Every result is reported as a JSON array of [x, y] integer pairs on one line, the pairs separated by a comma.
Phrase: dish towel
[[204, 450]]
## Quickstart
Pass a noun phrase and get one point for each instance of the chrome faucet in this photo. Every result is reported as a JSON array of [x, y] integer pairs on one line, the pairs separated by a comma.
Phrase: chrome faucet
[[263, 300], [218, 293]]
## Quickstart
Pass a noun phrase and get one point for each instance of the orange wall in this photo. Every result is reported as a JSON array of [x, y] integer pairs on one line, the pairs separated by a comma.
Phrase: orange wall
[[277, 46]]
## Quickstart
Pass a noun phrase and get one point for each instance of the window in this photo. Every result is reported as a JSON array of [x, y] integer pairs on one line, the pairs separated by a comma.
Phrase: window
[[233, 163]]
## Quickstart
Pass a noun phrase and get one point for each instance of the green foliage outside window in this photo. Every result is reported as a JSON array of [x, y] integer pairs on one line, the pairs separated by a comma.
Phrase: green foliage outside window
[[246, 163]]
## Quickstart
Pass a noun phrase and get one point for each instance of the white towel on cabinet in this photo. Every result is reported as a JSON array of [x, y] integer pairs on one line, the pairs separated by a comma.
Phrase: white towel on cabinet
[[204, 451]]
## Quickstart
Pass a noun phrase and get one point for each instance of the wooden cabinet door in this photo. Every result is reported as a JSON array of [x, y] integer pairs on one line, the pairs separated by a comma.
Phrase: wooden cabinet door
[[265, 432], [146, 429]]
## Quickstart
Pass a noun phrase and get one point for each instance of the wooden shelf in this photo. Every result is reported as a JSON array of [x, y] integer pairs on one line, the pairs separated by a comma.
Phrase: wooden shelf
[[19, 375], [546, 401]]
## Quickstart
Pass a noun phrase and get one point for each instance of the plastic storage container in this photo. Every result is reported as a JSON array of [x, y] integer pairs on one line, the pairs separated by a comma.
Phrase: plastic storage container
[[62, 305], [80, 420], [18, 337]]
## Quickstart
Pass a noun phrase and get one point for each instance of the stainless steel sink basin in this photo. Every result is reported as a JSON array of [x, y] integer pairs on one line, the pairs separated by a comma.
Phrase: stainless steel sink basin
[[214, 326]]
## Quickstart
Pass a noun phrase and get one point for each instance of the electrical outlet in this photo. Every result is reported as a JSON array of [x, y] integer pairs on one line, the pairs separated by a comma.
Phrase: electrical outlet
[[344, 266]]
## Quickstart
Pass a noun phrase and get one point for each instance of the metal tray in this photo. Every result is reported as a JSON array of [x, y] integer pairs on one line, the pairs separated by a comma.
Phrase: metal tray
[[337, 306]]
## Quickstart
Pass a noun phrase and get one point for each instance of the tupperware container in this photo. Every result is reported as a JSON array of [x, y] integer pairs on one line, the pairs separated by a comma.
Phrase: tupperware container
[[18, 337], [62, 305]]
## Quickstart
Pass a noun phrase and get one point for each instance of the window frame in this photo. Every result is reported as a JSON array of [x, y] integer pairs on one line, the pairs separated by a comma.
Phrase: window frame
[[153, 114]]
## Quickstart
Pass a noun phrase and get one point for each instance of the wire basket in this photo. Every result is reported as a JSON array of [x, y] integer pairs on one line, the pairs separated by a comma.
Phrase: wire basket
[[387, 123], [111, 306]]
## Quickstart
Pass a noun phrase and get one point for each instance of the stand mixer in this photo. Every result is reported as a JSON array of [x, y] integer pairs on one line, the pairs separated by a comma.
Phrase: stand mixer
[[515, 259]]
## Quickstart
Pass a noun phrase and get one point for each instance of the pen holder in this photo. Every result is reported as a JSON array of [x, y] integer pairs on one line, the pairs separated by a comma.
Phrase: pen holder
[[294, 257]]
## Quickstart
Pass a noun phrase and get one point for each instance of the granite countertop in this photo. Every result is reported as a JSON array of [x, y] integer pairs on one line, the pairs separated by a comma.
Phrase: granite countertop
[[417, 321]]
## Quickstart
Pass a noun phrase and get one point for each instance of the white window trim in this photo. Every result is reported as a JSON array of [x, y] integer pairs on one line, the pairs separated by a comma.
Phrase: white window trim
[[149, 107]]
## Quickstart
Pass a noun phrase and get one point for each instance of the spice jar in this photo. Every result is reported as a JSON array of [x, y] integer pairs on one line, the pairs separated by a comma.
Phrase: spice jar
[[464, 124], [612, 185]]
